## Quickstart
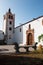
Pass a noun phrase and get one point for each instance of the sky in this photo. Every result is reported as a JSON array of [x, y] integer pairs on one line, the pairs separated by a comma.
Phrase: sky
[[24, 10]]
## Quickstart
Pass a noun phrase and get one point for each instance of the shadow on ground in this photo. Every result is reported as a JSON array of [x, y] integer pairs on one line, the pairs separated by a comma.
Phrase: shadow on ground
[[19, 60]]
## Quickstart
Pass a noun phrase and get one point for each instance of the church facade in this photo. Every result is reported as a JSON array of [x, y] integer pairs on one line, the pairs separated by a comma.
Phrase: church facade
[[28, 33], [25, 34]]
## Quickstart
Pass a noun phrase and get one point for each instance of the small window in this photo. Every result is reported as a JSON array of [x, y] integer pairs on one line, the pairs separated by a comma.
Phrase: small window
[[20, 29], [10, 28], [3, 32], [9, 36], [9, 16], [29, 26], [10, 22], [42, 22]]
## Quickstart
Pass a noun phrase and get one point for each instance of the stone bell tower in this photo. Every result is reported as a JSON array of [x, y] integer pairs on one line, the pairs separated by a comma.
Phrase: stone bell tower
[[8, 28]]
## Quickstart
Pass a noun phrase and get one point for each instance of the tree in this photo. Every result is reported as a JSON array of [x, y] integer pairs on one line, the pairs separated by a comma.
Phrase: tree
[[40, 37]]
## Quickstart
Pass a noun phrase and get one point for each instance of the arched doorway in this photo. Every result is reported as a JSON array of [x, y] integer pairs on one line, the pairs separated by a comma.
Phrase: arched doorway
[[29, 39]]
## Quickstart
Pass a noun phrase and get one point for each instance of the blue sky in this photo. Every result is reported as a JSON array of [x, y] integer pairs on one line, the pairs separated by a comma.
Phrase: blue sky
[[24, 10]]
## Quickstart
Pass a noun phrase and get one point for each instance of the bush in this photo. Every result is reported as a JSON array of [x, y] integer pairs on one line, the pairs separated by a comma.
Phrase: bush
[[40, 49]]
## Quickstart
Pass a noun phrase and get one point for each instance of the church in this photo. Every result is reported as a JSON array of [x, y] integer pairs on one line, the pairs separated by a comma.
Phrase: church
[[25, 34]]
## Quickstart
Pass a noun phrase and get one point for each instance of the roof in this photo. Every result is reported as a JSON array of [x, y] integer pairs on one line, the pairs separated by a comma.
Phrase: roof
[[29, 21]]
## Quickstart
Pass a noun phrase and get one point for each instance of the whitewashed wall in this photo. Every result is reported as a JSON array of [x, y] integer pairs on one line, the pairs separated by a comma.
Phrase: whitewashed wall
[[4, 26], [38, 29], [20, 37], [1, 35]]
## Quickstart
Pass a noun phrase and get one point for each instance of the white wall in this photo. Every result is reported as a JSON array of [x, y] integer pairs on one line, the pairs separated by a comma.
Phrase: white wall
[[4, 26], [1, 35], [20, 37], [38, 29]]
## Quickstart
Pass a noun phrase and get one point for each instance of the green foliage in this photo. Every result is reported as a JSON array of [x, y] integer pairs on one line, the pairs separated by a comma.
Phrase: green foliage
[[40, 37], [40, 49]]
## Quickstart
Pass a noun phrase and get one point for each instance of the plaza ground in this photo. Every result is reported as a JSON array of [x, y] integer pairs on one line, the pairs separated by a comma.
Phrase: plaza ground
[[8, 56], [21, 59]]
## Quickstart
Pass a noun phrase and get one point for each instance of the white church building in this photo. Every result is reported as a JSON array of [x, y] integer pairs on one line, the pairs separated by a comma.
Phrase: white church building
[[25, 34]]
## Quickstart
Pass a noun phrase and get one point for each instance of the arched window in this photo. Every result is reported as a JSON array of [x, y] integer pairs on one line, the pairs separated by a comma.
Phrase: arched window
[[20, 29], [9, 17], [9, 36], [10, 28], [10, 22], [29, 26]]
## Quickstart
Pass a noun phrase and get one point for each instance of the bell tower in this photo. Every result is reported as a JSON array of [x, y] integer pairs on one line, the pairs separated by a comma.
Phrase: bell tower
[[8, 28]]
